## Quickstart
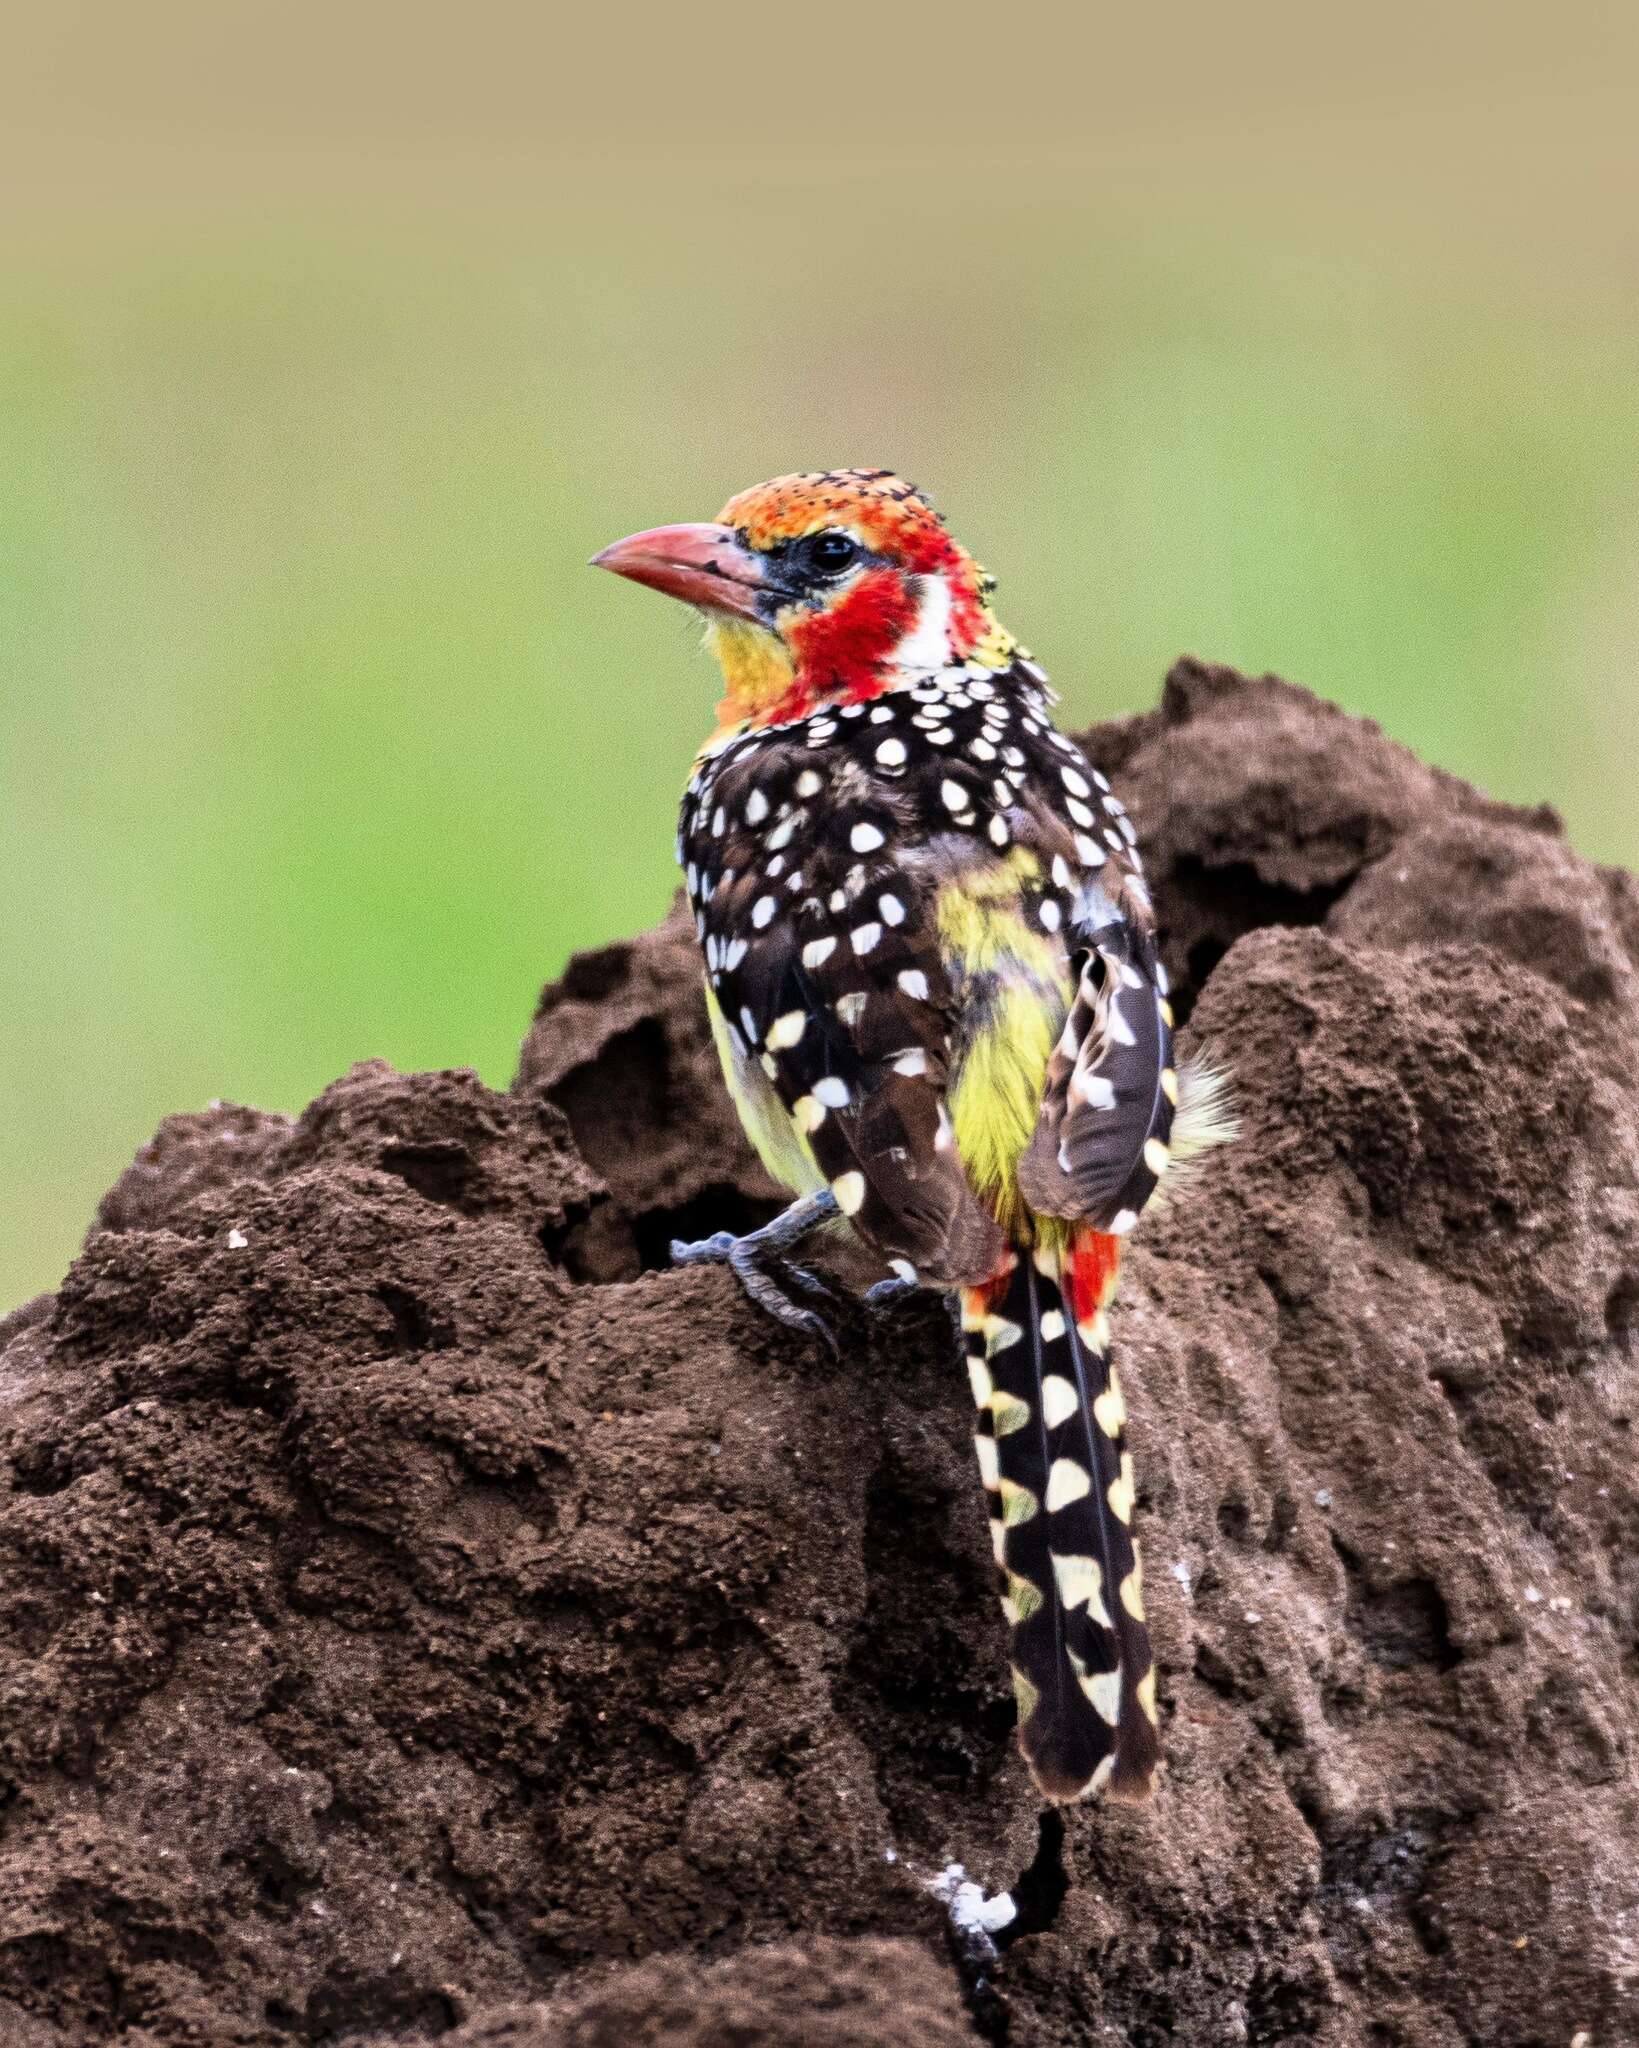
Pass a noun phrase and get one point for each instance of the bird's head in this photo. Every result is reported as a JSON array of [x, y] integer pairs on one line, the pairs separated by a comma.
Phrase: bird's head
[[821, 588]]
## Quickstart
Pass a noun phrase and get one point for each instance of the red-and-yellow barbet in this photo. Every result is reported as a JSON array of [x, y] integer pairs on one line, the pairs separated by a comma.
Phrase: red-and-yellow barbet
[[931, 968]]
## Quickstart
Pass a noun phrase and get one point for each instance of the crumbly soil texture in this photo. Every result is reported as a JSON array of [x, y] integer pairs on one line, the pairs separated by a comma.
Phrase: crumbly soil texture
[[424, 1616]]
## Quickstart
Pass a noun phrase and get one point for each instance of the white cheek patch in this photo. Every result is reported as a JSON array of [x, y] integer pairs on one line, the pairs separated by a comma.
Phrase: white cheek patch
[[927, 644]]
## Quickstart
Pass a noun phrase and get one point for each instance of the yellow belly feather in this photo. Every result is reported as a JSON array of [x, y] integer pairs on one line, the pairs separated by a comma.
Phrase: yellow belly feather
[[779, 1144], [1018, 977]]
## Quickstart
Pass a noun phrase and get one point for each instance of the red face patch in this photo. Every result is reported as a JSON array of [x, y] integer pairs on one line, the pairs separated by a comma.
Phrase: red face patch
[[839, 652], [839, 649]]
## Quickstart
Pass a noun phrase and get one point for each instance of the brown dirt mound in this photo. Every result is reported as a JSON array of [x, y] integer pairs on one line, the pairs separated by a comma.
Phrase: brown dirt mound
[[421, 1616]]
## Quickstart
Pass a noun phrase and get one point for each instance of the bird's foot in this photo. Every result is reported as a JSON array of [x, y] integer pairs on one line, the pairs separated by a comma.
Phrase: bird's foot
[[758, 1262]]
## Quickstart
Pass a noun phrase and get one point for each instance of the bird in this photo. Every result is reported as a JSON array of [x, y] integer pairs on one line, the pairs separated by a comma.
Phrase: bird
[[933, 979]]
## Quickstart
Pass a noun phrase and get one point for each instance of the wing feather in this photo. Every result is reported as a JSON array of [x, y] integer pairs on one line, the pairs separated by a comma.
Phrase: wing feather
[[1102, 1142], [840, 999], [893, 899]]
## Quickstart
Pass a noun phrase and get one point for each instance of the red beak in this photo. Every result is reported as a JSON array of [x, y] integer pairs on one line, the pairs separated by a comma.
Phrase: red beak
[[704, 565]]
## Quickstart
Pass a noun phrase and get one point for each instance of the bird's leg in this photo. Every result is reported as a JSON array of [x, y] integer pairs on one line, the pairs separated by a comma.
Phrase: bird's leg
[[749, 1258]]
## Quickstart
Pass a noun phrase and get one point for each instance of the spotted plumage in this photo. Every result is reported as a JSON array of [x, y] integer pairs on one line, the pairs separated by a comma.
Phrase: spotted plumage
[[931, 967], [856, 877], [1058, 1480]]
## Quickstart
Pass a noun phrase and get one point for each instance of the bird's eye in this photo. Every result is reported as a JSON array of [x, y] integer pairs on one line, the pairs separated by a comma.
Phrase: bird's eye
[[829, 554]]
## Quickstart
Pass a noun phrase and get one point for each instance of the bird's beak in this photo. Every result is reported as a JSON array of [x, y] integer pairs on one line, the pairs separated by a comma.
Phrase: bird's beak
[[704, 565]]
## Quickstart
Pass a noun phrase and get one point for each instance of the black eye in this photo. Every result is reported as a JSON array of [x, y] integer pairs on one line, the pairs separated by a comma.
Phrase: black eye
[[829, 554]]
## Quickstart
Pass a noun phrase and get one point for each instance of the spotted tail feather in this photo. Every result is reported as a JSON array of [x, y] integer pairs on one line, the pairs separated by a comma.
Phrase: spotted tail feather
[[1059, 1485]]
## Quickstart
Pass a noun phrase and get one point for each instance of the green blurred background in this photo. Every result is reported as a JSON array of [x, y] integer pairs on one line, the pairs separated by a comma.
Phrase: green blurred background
[[333, 341]]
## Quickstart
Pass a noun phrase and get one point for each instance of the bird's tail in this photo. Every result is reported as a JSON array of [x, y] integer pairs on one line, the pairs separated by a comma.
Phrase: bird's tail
[[1059, 1484]]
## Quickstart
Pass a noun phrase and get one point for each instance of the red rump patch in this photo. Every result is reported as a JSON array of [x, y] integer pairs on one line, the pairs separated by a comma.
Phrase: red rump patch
[[990, 1294], [1094, 1266]]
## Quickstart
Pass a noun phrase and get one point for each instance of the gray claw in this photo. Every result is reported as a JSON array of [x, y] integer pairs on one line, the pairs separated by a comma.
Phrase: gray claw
[[765, 1292], [757, 1257], [809, 1282]]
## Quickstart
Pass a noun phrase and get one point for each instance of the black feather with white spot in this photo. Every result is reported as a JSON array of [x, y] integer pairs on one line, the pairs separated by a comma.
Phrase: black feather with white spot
[[815, 853]]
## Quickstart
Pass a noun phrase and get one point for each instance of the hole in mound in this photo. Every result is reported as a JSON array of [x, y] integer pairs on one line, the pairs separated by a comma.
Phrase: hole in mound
[[1400, 1625], [1622, 1308], [1234, 1520], [719, 1207], [617, 1102], [279, 1885], [1209, 908], [439, 1169], [414, 1327], [1218, 1674], [38, 1470], [1410, 1625]]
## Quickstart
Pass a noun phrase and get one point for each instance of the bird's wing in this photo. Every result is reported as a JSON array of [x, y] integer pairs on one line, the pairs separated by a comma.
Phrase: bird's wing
[[1101, 1142], [829, 978], [911, 914]]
